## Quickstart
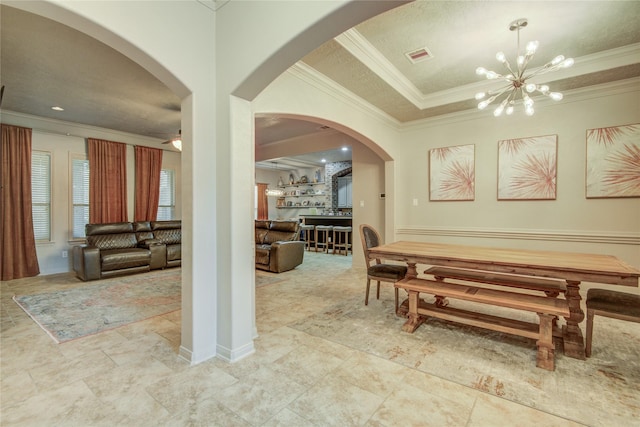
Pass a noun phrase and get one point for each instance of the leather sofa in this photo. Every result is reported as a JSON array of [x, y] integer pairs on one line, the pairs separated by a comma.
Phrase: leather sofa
[[278, 245], [127, 247]]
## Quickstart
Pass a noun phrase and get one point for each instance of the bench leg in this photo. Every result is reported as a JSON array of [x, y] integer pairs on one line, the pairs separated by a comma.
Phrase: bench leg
[[546, 349], [571, 333], [414, 319]]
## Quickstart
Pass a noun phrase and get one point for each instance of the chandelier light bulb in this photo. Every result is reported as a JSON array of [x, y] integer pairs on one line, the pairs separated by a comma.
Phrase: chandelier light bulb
[[510, 109], [567, 63], [517, 87], [532, 47]]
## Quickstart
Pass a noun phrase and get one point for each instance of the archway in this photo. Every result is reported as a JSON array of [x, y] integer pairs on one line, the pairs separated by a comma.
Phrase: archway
[[215, 85]]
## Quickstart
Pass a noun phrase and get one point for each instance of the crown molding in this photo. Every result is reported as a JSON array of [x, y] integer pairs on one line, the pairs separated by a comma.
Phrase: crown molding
[[213, 4], [321, 82], [575, 95], [365, 52], [356, 44], [78, 130]]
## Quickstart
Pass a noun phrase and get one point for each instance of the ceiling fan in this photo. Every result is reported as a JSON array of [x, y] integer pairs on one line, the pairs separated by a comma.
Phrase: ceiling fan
[[176, 141]]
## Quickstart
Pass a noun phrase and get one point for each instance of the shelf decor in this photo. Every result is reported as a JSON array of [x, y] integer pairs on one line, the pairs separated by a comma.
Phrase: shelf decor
[[527, 168], [452, 173], [613, 162]]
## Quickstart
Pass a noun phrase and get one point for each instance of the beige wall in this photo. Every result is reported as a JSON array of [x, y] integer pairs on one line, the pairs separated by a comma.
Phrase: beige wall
[[571, 222]]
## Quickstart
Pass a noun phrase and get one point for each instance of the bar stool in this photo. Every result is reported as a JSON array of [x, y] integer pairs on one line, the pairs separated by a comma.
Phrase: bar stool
[[614, 304], [309, 233], [342, 239], [323, 237]]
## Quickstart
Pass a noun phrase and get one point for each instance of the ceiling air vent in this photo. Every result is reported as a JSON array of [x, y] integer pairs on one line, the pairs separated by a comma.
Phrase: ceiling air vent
[[419, 55]]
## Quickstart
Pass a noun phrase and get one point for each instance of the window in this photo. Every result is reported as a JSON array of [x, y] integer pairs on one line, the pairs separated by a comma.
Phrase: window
[[80, 195], [167, 202], [41, 195]]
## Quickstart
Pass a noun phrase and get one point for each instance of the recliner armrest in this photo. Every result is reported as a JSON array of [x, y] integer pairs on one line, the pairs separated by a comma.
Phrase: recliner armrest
[[86, 262], [149, 242], [286, 255]]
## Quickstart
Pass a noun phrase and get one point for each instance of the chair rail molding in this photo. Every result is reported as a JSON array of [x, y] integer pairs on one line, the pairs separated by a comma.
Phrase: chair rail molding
[[605, 237]]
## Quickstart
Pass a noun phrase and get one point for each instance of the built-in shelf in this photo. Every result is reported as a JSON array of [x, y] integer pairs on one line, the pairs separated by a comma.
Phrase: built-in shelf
[[301, 184]]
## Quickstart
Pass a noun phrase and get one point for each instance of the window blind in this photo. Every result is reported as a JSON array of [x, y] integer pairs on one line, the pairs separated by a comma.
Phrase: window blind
[[167, 200], [80, 202], [41, 195]]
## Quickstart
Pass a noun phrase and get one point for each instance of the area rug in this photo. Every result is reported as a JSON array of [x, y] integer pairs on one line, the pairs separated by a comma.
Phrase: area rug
[[105, 304], [500, 364]]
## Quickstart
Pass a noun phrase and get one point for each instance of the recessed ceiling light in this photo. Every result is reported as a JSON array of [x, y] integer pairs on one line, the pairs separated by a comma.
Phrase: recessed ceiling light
[[324, 160], [56, 108], [345, 148]]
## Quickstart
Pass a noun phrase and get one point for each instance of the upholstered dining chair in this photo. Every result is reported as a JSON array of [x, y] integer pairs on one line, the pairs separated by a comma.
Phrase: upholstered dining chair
[[376, 269]]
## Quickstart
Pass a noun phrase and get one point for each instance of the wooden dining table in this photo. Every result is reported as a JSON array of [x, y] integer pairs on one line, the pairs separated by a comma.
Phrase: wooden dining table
[[574, 268]]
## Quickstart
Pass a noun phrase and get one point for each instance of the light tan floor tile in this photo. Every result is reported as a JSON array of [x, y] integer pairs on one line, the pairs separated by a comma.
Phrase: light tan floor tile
[[16, 388], [71, 405], [108, 386], [410, 406], [260, 396], [204, 414], [335, 402], [180, 391], [371, 373], [287, 418], [64, 372], [306, 365], [491, 411]]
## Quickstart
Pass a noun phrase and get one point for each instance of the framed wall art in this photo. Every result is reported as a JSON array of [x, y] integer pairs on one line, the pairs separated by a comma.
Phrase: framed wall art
[[613, 162], [527, 168], [452, 173]]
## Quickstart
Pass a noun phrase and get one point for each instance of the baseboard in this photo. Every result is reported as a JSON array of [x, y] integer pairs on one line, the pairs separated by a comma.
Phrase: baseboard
[[193, 359], [234, 355], [548, 235]]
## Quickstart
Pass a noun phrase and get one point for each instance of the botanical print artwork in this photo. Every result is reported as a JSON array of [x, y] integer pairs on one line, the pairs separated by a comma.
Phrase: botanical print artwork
[[527, 168], [452, 173], [613, 161]]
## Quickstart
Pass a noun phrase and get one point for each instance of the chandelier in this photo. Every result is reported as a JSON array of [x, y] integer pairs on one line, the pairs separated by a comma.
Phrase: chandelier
[[518, 86], [275, 192]]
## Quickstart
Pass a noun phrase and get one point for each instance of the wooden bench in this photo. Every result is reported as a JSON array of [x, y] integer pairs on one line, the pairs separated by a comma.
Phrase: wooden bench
[[546, 308], [551, 287]]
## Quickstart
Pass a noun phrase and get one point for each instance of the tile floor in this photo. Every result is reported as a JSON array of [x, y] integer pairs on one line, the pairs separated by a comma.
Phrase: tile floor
[[132, 376]]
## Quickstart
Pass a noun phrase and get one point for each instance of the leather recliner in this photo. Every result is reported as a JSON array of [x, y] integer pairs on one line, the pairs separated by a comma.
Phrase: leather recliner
[[278, 245]]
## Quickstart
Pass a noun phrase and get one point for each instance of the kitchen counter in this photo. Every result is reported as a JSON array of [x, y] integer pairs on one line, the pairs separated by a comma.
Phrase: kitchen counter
[[342, 220]]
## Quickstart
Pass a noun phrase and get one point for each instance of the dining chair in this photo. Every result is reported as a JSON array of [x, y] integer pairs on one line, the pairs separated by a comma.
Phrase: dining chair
[[376, 269], [613, 304]]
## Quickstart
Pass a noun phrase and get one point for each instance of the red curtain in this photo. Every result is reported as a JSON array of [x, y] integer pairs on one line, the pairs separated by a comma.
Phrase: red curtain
[[107, 181], [17, 241], [263, 202], [148, 166]]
